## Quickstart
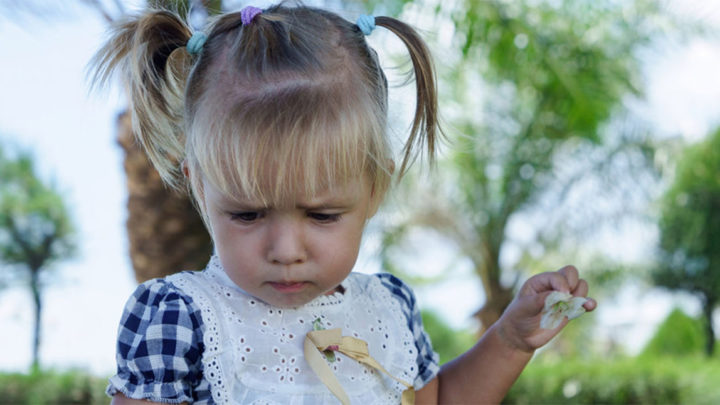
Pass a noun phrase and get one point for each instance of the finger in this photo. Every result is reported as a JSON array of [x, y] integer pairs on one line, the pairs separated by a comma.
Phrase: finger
[[530, 306], [590, 305], [581, 289], [571, 274], [550, 281]]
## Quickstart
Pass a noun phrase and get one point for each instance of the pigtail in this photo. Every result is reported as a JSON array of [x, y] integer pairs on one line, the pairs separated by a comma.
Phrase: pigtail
[[149, 52], [425, 127]]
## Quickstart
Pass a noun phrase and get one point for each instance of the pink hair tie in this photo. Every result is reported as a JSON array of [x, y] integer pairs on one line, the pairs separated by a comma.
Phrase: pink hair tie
[[248, 13]]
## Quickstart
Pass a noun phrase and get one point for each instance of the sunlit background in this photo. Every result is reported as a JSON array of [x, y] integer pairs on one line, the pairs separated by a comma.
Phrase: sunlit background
[[46, 109]]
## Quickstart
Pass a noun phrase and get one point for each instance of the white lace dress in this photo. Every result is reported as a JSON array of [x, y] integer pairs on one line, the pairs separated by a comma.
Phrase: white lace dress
[[252, 353]]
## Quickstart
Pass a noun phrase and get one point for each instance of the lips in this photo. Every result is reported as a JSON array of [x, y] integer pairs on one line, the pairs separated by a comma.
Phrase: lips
[[288, 287]]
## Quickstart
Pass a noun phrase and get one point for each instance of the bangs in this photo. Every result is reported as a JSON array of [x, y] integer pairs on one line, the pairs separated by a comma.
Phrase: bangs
[[289, 142]]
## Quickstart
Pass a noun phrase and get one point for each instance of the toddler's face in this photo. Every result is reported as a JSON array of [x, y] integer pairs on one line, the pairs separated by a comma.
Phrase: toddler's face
[[287, 256]]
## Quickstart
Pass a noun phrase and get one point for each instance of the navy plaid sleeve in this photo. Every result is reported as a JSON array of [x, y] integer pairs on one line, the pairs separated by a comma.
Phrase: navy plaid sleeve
[[159, 346], [427, 359]]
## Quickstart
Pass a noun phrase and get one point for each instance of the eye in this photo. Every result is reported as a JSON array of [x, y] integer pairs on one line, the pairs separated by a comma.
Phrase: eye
[[324, 217], [247, 216]]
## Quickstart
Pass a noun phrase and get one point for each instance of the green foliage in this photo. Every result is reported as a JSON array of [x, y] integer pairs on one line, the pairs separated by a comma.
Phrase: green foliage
[[553, 73], [646, 380], [572, 61], [35, 227], [448, 342], [528, 98], [690, 223], [678, 335], [689, 254], [48, 387]]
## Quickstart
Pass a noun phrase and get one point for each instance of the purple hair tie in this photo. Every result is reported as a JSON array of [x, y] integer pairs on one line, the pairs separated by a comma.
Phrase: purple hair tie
[[248, 13]]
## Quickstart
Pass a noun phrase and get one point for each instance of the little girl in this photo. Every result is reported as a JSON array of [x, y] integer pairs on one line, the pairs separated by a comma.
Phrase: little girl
[[276, 119]]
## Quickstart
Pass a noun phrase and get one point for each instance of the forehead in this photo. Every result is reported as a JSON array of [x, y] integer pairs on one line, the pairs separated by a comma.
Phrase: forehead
[[335, 194]]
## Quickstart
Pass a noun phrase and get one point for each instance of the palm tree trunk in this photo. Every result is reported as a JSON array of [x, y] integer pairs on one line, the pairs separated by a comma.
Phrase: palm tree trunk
[[166, 234]]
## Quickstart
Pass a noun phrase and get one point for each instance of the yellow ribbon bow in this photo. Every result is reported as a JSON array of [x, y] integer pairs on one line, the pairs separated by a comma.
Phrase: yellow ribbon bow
[[318, 341]]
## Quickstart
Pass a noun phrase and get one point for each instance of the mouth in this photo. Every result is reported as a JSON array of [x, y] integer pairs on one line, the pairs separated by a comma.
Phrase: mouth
[[288, 287]]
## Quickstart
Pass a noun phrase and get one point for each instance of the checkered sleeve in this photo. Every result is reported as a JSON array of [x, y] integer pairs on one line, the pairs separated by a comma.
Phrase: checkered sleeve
[[159, 346], [427, 359]]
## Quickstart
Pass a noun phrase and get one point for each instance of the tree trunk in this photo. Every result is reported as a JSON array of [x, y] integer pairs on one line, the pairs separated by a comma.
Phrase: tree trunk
[[708, 307], [35, 288], [497, 297], [166, 233]]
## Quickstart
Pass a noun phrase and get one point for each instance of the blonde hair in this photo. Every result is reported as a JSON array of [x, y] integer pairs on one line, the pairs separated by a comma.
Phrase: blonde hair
[[293, 102]]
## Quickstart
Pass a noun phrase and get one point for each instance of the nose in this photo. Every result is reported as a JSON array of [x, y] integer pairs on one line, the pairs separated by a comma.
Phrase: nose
[[286, 242]]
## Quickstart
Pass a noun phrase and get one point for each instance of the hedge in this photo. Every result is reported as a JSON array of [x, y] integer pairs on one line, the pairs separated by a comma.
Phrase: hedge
[[640, 380], [50, 387], [646, 380]]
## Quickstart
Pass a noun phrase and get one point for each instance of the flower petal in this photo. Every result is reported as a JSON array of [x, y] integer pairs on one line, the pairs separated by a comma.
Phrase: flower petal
[[554, 298], [551, 319], [576, 307], [558, 305]]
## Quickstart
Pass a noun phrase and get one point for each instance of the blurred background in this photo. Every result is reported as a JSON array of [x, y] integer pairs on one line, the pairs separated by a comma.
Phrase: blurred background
[[583, 132]]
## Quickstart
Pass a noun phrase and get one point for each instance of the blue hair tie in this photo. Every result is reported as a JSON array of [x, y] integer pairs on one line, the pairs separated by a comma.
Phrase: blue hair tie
[[366, 24], [195, 43]]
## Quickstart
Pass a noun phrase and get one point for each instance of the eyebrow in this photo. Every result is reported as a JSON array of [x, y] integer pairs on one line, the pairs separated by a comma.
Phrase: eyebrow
[[344, 200], [334, 203], [330, 203], [325, 200]]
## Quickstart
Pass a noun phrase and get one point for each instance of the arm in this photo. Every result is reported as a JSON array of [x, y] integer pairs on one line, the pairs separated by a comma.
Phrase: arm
[[485, 373]]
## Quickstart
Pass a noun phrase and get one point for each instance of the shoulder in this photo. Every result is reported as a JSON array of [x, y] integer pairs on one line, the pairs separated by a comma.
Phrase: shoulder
[[427, 358], [399, 290], [157, 310], [159, 345], [159, 296], [155, 291], [384, 284]]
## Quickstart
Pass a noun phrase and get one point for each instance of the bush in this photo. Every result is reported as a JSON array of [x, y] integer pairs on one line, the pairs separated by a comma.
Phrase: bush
[[678, 335], [48, 387], [643, 380], [447, 342]]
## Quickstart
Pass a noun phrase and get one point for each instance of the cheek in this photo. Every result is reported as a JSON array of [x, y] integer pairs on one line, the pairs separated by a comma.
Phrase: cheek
[[213, 224], [227, 239], [346, 245]]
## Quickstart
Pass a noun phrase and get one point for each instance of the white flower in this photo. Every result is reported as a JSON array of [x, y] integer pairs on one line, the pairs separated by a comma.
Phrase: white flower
[[558, 305]]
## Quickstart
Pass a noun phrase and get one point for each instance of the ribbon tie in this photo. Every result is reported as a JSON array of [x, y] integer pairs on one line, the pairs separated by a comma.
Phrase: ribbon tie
[[331, 339]]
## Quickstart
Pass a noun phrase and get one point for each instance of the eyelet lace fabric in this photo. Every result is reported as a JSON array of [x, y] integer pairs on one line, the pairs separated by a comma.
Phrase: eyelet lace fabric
[[254, 351]]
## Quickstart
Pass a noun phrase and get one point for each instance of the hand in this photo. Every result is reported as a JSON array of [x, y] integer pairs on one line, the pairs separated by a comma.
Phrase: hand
[[519, 326]]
